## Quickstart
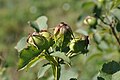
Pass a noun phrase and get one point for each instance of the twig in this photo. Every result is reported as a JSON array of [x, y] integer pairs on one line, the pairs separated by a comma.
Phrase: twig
[[114, 33], [112, 28], [103, 21]]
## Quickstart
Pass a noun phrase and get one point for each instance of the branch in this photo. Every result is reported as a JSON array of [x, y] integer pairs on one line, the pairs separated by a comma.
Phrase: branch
[[112, 28], [114, 33]]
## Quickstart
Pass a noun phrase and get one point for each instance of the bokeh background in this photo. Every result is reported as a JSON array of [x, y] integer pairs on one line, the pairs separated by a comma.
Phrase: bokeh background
[[14, 17]]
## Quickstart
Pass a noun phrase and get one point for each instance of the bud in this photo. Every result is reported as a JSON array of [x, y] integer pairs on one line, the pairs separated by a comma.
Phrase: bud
[[78, 45], [62, 29], [101, 1], [62, 36], [45, 34], [38, 40], [48, 36], [91, 21]]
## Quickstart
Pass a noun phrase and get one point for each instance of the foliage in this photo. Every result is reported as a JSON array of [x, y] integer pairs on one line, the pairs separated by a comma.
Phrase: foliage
[[65, 45], [103, 32], [56, 53]]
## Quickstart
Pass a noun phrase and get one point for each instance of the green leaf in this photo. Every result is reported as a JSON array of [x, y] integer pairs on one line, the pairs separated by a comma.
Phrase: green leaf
[[39, 24], [61, 55], [116, 13], [109, 71], [42, 23], [111, 67], [116, 76], [21, 44], [43, 70], [100, 78], [115, 4], [67, 74], [34, 25], [97, 10], [104, 76], [33, 62], [118, 27], [79, 46], [26, 55], [87, 5]]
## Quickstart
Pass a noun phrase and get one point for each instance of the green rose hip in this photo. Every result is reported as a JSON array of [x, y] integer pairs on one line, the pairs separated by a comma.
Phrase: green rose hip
[[38, 40], [91, 21]]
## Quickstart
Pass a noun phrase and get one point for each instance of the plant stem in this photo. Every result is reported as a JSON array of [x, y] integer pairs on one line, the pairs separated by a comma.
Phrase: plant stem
[[57, 70], [114, 33], [55, 65], [112, 28], [50, 58], [68, 52], [56, 73]]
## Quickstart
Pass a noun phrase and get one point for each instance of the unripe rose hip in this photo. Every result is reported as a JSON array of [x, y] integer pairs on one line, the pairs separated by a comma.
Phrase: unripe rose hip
[[38, 40], [45, 34], [101, 1], [91, 21], [48, 36]]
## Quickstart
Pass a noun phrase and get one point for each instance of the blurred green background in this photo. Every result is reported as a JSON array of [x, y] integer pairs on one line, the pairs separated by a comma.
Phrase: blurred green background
[[14, 15]]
